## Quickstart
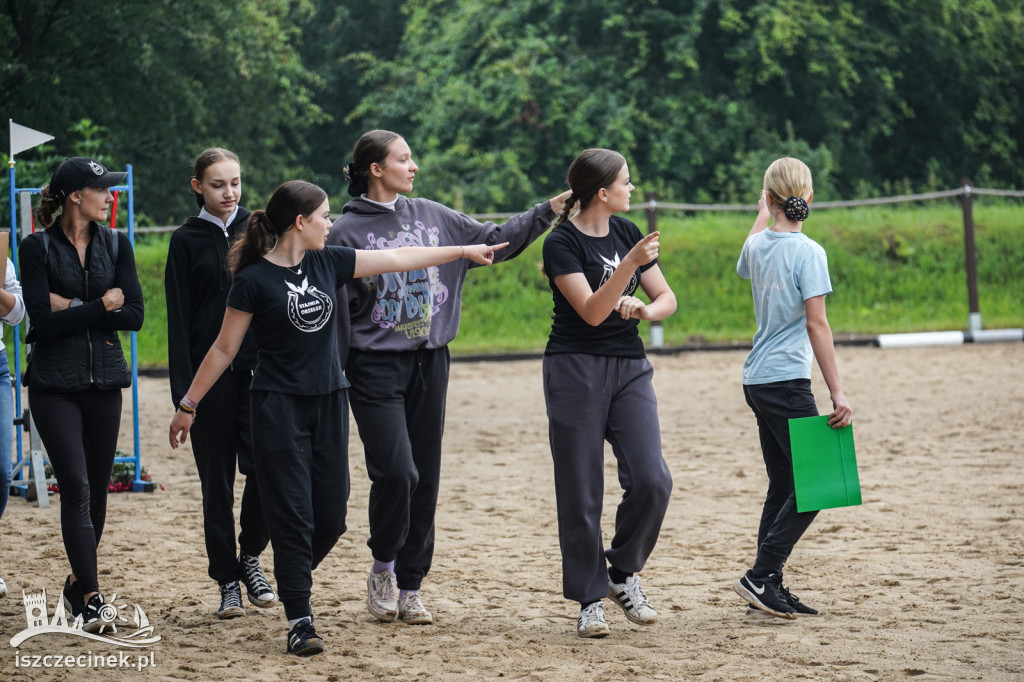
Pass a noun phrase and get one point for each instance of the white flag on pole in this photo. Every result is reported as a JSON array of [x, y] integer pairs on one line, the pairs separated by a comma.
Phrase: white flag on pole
[[23, 138]]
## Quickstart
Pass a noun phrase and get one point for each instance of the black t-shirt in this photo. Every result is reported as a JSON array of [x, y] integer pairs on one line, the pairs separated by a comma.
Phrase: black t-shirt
[[294, 320], [566, 251]]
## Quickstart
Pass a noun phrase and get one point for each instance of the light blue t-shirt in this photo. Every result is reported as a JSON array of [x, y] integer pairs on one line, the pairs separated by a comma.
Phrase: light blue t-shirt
[[785, 269]]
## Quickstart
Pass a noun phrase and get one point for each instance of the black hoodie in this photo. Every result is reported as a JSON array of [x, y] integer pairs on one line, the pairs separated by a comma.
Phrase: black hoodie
[[196, 282]]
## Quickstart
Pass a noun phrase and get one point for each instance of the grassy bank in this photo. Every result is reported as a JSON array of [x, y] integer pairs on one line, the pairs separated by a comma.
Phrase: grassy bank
[[893, 270]]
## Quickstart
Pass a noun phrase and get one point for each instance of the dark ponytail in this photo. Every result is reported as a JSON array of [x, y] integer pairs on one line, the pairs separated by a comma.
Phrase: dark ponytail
[[263, 228], [49, 204], [372, 147], [591, 171]]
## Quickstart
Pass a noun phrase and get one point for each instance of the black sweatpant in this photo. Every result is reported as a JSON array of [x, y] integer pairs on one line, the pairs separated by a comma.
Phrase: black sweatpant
[[79, 432], [774, 404], [398, 400], [591, 399], [300, 451], [221, 435]]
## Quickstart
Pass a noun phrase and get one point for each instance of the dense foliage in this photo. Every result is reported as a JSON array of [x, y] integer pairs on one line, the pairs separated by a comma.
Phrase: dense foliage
[[495, 97]]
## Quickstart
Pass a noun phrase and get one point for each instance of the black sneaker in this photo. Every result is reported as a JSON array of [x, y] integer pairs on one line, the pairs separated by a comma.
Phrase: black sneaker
[[303, 640], [257, 589], [72, 598], [797, 605], [765, 594], [94, 616], [230, 601]]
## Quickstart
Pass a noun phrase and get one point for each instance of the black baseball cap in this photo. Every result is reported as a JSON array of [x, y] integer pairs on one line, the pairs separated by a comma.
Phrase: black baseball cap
[[80, 171]]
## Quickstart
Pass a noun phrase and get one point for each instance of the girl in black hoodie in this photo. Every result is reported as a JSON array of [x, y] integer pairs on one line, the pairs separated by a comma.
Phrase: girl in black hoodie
[[197, 281]]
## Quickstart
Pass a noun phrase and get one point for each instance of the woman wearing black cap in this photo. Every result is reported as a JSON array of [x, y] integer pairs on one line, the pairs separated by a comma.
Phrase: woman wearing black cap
[[80, 289]]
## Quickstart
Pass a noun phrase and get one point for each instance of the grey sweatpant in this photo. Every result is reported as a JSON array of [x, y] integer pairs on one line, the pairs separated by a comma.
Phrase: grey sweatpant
[[590, 399]]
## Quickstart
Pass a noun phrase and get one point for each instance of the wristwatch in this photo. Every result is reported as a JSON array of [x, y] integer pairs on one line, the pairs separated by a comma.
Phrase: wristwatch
[[74, 302]]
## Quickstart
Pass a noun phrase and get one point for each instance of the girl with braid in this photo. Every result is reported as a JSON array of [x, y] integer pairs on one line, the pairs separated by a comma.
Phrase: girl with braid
[[284, 287], [597, 387], [789, 280]]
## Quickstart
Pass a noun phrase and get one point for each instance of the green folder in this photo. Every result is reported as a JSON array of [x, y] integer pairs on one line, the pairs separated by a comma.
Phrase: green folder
[[824, 464]]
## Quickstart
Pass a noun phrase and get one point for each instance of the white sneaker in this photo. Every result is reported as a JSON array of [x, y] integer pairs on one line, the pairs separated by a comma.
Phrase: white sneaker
[[3, 587], [382, 596], [591, 622], [633, 601], [412, 611]]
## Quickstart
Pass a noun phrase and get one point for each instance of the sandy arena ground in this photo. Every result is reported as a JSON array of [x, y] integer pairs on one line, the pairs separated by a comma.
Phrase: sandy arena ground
[[925, 580]]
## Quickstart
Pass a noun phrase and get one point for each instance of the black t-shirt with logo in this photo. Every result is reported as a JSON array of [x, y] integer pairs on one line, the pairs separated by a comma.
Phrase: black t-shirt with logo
[[294, 320], [567, 251]]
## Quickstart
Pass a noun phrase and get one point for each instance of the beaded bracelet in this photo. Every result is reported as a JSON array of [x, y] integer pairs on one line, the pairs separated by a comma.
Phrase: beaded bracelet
[[188, 405]]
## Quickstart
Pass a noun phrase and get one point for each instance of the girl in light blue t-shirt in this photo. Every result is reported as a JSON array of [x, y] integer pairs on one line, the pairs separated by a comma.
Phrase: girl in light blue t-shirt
[[788, 275]]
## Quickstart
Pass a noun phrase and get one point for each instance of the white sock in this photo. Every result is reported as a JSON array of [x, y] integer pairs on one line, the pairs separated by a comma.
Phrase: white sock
[[293, 623]]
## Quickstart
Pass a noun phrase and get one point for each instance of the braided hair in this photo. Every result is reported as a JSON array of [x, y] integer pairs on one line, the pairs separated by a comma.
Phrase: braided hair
[[591, 171]]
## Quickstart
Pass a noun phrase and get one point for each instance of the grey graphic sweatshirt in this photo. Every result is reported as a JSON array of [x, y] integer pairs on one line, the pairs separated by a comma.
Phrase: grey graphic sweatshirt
[[400, 311]]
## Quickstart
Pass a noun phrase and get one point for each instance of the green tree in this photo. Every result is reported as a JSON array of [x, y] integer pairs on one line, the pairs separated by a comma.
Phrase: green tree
[[497, 96], [166, 79]]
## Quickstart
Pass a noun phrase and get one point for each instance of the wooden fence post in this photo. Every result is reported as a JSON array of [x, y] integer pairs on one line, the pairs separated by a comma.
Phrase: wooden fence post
[[970, 257]]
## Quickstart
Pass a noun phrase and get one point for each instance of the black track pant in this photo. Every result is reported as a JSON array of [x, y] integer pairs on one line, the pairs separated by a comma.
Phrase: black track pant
[[300, 448], [220, 436], [781, 526], [398, 400], [79, 431]]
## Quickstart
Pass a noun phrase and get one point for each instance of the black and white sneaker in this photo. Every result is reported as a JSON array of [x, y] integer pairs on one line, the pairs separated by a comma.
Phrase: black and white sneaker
[[765, 594], [230, 601], [303, 640], [591, 622], [798, 606], [97, 615], [257, 589], [72, 598], [633, 601]]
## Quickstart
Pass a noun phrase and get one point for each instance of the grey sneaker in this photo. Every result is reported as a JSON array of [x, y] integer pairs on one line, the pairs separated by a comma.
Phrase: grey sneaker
[[412, 611], [591, 622], [230, 601], [257, 589], [382, 596], [633, 601]]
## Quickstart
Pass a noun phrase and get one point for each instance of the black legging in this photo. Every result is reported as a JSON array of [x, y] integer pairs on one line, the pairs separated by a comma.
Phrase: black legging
[[79, 432]]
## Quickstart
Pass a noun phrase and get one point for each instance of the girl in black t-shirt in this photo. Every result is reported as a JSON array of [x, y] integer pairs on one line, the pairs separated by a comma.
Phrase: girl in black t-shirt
[[284, 289], [597, 387]]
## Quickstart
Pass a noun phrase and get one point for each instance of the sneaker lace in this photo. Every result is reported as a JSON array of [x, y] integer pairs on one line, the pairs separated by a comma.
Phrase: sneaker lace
[[592, 614], [385, 586], [254, 578], [230, 595], [787, 595], [636, 595], [413, 603]]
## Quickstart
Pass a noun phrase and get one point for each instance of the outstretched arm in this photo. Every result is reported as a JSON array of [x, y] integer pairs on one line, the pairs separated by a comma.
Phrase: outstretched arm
[[375, 262], [825, 353]]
